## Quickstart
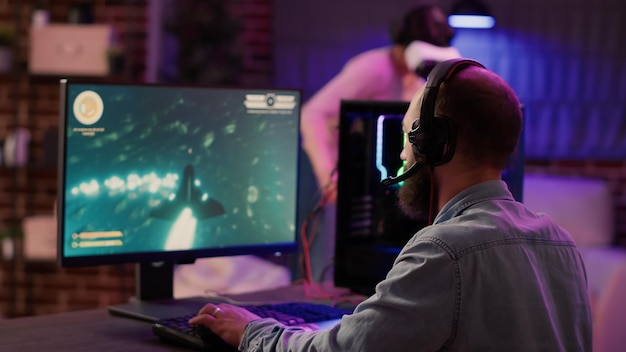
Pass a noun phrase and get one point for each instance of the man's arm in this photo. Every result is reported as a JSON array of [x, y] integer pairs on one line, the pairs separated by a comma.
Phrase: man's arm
[[413, 308]]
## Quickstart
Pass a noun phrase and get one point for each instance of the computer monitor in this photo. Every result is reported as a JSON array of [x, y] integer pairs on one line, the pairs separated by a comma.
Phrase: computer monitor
[[160, 175], [370, 228]]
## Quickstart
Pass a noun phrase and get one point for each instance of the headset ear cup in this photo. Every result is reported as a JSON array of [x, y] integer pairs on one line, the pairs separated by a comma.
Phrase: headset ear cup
[[445, 140], [439, 132]]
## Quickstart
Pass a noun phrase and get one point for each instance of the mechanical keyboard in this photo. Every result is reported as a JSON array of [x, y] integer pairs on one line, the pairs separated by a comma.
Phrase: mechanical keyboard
[[179, 331]]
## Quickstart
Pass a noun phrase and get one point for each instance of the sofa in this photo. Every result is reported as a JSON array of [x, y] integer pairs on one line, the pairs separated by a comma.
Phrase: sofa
[[584, 206]]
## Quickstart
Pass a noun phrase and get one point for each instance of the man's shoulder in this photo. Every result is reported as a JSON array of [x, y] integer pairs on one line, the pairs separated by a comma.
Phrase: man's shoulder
[[483, 228], [450, 236]]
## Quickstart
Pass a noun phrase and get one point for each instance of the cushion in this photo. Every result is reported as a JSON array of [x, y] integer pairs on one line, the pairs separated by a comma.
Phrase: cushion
[[583, 206]]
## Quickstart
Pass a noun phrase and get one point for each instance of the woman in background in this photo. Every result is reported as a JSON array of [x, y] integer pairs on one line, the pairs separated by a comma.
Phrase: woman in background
[[395, 72]]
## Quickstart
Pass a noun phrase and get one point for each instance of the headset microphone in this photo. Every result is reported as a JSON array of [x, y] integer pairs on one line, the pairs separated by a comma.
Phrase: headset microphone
[[391, 180]]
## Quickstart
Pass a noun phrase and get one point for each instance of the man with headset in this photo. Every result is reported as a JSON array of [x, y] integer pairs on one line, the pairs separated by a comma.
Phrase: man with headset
[[487, 275]]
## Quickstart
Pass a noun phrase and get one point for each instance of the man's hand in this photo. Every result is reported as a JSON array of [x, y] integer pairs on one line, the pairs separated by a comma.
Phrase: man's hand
[[225, 320]]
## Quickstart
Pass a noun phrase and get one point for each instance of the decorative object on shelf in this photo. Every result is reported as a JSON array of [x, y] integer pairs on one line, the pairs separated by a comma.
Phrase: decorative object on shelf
[[471, 14], [40, 237], [81, 13], [15, 148], [7, 38], [10, 233], [116, 54], [40, 16], [69, 49]]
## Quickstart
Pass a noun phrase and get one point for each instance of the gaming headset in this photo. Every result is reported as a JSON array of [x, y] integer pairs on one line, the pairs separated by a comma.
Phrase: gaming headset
[[433, 137]]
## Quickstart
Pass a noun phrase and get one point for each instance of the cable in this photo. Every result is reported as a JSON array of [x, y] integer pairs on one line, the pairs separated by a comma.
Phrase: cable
[[308, 282], [326, 194]]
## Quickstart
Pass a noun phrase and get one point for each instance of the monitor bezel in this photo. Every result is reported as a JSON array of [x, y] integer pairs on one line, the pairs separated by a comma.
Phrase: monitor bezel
[[176, 257]]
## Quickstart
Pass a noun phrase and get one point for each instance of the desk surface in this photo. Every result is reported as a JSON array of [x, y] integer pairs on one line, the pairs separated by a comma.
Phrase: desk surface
[[93, 330], [97, 330]]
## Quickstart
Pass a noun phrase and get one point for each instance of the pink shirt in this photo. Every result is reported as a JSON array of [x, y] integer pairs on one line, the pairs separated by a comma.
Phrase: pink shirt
[[368, 76]]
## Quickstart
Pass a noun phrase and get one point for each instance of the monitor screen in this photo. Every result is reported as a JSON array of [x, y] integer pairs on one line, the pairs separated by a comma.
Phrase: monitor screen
[[152, 173], [371, 229]]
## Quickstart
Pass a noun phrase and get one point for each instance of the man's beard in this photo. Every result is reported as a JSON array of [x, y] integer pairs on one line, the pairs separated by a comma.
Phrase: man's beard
[[414, 195]]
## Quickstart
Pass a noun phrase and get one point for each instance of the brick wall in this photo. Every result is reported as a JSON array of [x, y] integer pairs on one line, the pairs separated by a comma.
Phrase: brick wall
[[256, 39], [41, 287], [32, 102]]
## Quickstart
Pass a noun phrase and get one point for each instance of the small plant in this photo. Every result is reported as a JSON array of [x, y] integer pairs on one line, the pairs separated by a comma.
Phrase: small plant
[[11, 231], [6, 36]]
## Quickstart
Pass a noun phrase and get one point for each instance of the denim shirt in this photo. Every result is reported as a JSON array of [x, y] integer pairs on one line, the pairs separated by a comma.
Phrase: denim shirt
[[488, 275]]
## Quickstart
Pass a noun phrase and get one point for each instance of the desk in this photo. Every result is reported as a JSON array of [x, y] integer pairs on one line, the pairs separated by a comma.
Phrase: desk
[[97, 330], [92, 330]]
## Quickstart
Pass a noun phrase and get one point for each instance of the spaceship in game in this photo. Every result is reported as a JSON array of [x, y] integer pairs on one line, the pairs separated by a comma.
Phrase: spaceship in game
[[188, 196]]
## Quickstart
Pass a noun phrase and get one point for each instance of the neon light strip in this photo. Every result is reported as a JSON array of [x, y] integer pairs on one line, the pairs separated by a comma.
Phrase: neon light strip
[[379, 147], [471, 21]]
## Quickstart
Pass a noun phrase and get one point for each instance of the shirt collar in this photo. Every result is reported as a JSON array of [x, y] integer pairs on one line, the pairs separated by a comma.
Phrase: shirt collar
[[487, 190]]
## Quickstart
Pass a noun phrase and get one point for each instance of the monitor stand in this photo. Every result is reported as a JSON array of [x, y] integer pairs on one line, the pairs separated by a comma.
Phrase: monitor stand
[[154, 299]]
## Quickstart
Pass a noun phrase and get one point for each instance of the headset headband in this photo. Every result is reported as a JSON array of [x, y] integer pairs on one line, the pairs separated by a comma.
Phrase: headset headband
[[434, 138]]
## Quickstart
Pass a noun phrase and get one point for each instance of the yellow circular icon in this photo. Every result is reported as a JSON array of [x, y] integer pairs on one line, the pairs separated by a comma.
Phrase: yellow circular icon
[[88, 107]]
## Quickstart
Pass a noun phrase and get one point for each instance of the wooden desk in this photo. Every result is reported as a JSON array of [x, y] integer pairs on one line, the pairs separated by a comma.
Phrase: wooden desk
[[92, 330], [97, 330]]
